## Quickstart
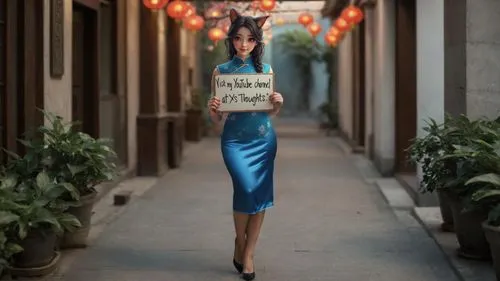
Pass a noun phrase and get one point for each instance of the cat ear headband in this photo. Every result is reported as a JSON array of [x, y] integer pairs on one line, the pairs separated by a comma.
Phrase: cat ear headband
[[260, 21]]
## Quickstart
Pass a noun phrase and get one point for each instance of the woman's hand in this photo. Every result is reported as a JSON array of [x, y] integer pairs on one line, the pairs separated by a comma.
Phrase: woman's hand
[[214, 104], [277, 101]]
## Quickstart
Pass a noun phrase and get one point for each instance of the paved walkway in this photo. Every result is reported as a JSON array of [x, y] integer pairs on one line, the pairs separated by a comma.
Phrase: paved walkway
[[328, 224]]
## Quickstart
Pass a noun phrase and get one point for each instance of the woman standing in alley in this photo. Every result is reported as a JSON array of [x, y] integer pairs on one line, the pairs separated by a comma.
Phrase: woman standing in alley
[[248, 141]]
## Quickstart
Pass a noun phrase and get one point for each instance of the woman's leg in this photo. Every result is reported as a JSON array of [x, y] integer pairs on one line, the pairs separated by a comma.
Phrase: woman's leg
[[253, 231], [240, 226]]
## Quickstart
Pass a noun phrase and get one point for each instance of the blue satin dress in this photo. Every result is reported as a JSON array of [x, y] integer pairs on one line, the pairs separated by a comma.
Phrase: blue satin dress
[[249, 146]]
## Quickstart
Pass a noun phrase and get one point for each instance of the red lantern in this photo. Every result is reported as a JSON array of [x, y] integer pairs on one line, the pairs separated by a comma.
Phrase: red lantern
[[194, 23], [352, 14], [305, 19], [190, 10], [331, 39], [215, 34], [177, 9], [334, 31], [314, 28], [342, 25], [155, 4], [267, 5]]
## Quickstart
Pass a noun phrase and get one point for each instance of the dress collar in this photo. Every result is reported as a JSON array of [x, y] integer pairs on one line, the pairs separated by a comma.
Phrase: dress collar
[[238, 61]]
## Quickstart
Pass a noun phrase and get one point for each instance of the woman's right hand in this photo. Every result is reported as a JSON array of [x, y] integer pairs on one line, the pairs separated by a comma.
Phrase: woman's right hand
[[213, 105]]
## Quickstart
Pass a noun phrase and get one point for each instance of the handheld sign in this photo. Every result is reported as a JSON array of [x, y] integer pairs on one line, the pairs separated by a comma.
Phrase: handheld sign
[[244, 91]]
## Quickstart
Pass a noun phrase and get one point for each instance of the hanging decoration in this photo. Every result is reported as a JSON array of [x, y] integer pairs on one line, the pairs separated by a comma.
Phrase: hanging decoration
[[334, 31], [155, 4], [255, 6], [190, 10], [280, 21], [177, 9], [342, 25], [331, 39], [352, 14], [314, 28], [267, 5], [216, 34], [194, 23], [305, 19]]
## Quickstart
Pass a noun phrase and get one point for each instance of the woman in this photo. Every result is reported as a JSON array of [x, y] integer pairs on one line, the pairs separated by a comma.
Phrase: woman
[[248, 141]]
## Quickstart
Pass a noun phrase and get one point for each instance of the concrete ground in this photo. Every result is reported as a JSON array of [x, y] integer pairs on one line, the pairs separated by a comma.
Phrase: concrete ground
[[329, 223]]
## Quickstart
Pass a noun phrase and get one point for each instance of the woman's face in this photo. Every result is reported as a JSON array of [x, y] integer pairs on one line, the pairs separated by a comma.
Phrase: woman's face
[[244, 42]]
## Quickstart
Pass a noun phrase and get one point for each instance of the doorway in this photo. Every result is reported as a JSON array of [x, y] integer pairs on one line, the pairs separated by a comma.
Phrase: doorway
[[85, 91], [359, 91], [406, 85]]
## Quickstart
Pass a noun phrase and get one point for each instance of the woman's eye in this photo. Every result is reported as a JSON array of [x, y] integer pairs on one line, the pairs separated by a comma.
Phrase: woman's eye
[[237, 38], [251, 40]]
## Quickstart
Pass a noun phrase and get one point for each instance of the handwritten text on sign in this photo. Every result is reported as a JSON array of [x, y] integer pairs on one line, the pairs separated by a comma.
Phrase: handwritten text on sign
[[244, 92]]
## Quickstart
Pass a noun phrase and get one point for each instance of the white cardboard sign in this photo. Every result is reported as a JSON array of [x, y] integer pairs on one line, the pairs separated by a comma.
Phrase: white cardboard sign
[[244, 91]]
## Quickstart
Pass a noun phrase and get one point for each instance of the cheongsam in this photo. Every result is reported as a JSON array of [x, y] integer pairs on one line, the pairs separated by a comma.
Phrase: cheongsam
[[248, 145]]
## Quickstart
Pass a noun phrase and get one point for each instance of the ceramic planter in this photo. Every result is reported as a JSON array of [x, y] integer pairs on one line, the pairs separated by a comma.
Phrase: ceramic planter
[[492, 234], [78, 238], [446, 212], [469, 231]]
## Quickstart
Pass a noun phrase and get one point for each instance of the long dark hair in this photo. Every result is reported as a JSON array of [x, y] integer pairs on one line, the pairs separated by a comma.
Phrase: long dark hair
[[254, 25]]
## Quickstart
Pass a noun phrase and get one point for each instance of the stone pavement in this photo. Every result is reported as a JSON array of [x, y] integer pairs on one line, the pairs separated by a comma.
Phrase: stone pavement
[[329, 223]]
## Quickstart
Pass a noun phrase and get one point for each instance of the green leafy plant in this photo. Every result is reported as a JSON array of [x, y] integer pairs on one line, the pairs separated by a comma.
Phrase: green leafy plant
[[72, 158], [488, 196], [28, 205], [437, 153], [304, 49]]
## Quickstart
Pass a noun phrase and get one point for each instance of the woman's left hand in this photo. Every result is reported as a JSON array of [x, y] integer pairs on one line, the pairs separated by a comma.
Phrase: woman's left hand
[[276, 99]]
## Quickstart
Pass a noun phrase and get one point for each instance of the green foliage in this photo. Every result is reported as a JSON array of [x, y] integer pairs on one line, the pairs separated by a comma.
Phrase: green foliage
[[28, 204], [462, 156], [70, 157], [437, 152], [301, 45]]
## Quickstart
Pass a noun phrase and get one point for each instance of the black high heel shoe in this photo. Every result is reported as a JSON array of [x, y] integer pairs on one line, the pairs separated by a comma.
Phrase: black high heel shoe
[[248, 276], [238, 266]]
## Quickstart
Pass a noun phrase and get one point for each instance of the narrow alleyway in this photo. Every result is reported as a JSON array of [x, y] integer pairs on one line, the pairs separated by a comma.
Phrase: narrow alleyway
[[328, 224]]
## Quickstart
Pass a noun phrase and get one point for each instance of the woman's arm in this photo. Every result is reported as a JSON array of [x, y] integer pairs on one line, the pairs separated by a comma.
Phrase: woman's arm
[[215, 116], [276, 109]]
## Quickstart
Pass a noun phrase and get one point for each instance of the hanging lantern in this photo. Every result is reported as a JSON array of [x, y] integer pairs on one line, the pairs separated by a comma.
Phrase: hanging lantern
[[190, 9], [215, 34], [342, 25], [226, 27], [352, 14], [194, 23], [177, 9], [334, 31], [331, 39], [267, 5], [155, 4], [314, 29], [213, 13], [280, 21], [305, 19]]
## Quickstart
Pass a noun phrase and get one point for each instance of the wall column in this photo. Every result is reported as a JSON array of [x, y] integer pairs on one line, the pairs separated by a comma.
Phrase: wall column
[[175, 102], [151, 121], [384, 84]]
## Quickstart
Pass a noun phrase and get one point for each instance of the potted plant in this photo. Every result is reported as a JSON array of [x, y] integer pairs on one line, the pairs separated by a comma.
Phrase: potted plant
[[194, 117], [77, 161], [35, 215], [472, 159], [438, 140], [489, 197]]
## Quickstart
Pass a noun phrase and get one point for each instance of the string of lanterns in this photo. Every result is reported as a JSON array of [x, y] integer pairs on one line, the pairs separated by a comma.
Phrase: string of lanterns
[[185, 12], [349, 18]]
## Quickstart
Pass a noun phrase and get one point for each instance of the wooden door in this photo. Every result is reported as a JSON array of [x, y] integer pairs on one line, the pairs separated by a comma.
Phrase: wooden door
[[406, 82], [85, 82], [3, 91], [78, 89]]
